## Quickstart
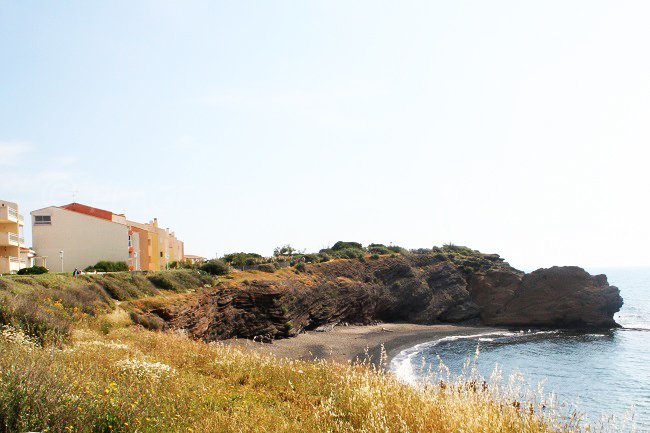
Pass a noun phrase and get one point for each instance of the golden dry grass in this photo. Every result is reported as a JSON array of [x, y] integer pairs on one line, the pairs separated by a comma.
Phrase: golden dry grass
[[133, 380]]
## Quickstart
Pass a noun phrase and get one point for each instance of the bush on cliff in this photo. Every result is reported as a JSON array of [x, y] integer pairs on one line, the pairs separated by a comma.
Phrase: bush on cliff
[[215, 267], [266, 267], [107, 266], [349, 253], [241, 260], [340, 245], [379, 249], [34, 270], [458, 249]]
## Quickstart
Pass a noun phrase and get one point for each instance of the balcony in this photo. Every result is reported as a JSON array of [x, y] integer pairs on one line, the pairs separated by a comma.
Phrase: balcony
[[11, 215], [15, 264], [11, 240], [11, 265]]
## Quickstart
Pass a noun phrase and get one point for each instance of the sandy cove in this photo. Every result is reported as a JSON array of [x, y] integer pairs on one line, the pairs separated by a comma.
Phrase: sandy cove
[[355, 343]]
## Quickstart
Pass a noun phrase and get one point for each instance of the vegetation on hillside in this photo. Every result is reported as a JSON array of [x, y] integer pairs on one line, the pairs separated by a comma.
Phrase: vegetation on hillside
[[74, 358], [132, 380], [108, 266], [34, 270], [287, 256], [47, 307]]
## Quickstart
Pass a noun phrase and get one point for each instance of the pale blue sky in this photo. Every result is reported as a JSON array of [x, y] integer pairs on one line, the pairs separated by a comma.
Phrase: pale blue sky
[[513, 127]]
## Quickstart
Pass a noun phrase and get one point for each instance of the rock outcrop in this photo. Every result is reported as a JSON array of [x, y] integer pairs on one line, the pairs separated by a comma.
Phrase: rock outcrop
[[559, 297], [415, 288]]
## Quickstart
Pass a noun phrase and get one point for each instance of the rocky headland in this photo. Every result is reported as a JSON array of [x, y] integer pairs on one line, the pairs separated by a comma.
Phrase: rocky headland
[[429, 288]]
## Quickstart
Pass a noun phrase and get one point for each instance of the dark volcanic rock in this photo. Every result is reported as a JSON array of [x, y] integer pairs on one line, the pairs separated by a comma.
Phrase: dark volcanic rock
[[492, 291], [559, 297], [414, 288]]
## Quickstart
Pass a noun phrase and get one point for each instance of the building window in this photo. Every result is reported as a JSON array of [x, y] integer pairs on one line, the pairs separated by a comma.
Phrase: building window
[[130, 242], [42, 219], [161, 254]]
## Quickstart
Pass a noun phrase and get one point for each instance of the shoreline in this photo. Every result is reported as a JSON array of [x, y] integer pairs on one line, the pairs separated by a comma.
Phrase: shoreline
[[359, 342]]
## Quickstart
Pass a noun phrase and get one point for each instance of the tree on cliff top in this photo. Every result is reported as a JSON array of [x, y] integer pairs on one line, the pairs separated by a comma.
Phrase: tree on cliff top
[[285, 250]]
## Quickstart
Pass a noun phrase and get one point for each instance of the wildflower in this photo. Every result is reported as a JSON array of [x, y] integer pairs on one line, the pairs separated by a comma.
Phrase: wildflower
[[154, 370], [17, 336], [109, 345]]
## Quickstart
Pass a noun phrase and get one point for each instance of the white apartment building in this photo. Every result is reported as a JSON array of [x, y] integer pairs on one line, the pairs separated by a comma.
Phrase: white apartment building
[[73, 240]]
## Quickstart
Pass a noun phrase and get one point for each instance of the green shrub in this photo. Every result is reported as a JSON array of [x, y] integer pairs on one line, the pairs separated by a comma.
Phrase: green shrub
[[106, 266], [458, 249], [239, 260], [266, 267], [215, 267], [119, 287], [179, 280], [311, 258], [379, 249], [374, 256], [34, 270], [350, 253], [153, 323], [440, 256], [340, 245]]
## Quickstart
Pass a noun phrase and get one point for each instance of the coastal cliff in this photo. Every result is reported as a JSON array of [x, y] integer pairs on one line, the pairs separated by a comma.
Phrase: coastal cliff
[[414, 288]]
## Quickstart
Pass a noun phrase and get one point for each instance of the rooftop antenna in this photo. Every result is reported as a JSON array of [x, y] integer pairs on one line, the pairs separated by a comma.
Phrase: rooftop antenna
[[74, 196]]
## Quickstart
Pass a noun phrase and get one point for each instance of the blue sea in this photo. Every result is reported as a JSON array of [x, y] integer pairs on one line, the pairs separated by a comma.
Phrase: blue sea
[[603, 375]]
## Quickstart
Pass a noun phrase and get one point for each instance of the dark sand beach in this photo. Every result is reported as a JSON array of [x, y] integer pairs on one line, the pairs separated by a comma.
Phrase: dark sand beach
[[356, 343]]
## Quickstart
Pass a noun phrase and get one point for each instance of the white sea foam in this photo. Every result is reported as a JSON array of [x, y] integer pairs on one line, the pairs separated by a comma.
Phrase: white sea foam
[[403, 365]]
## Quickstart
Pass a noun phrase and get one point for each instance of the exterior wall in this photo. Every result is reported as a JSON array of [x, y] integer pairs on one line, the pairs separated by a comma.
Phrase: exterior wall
[[176, 249], [163, 240], [84, 239], [27, 256], [149, 246], [134, 250], [143, 247], [121, 219]]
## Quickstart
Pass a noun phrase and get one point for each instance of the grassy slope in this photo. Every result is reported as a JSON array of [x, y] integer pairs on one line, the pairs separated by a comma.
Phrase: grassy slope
[[137, 380], [49, 306], [108, 375]]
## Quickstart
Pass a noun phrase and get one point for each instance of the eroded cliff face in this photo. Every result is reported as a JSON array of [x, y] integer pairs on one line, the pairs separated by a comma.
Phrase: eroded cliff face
[[411, 288], [558, 297]]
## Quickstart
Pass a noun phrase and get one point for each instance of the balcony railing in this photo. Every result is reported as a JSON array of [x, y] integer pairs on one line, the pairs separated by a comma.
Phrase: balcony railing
[[11, 214], [11, 239]]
